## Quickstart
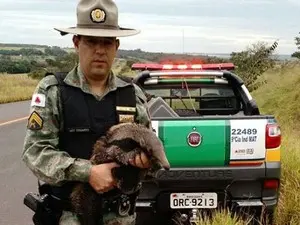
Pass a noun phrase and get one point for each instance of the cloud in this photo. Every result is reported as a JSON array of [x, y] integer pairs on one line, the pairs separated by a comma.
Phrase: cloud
[[166, 25], [294, 2]]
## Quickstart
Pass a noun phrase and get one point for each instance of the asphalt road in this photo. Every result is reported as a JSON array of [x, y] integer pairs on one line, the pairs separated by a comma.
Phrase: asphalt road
[[16, 179]]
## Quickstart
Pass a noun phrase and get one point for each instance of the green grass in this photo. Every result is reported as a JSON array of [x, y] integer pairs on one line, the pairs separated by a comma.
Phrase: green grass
[[280, 96]]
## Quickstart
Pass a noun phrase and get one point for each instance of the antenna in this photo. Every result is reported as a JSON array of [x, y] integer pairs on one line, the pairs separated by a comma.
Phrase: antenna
[[183, 40]]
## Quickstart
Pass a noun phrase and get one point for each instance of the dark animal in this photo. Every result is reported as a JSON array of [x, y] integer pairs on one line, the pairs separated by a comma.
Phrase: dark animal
[[121, 143]]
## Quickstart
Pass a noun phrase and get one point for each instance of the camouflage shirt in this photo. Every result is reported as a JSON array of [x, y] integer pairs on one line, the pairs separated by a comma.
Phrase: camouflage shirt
[[41, 153]]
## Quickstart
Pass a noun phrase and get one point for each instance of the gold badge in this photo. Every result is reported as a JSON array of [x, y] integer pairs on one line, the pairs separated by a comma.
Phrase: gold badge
[[125, 118], [98, 15], [35, 121]]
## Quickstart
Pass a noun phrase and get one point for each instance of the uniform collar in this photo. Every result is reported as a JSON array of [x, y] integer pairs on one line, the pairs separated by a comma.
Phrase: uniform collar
[[76, 78]]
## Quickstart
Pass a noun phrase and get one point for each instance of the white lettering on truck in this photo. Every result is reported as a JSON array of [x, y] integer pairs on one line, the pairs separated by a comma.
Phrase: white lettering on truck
[[247, 139]]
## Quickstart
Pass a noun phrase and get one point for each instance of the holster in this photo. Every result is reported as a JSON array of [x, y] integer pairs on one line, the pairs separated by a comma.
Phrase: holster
[[45, 210], [46, 215], [48, 209]]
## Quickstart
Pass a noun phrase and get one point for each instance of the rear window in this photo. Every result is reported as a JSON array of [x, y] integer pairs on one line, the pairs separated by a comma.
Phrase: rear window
[[200, 100]]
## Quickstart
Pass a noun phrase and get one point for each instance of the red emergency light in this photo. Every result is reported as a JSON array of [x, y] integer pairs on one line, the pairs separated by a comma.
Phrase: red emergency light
[[156, 66]]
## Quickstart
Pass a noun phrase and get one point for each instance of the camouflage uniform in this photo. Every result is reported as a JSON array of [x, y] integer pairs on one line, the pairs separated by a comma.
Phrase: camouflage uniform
[[41, 153]]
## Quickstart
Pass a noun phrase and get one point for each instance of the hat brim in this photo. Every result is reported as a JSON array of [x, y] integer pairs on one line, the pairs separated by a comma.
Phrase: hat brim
[[121, 32]]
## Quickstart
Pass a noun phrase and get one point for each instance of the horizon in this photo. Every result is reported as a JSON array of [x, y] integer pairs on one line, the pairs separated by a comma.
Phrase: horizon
[[217, 54], [159, 51], [197, 27]]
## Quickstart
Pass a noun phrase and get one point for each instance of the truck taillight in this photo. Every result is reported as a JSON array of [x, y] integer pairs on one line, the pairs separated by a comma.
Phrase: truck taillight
[[271, 184], [273, 136]]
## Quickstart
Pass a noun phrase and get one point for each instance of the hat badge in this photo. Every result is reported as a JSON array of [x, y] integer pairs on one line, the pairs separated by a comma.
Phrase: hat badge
[[98, 15]]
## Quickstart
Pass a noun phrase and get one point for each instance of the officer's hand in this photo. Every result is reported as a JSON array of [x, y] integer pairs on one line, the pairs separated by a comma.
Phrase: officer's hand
[[101, 178], [140, 161]]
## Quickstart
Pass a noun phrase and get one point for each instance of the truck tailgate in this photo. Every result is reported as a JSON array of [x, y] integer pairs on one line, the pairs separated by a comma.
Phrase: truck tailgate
[[212, 142]]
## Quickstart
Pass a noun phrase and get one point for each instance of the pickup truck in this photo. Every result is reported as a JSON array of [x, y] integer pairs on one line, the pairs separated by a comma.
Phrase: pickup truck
[[223, 153]]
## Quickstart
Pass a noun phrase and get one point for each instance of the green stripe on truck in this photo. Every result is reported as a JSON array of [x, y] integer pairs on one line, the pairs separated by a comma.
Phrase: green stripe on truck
[[210, 152]]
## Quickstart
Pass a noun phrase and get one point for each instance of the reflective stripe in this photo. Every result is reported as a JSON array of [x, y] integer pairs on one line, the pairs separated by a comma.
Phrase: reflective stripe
[[273, 155]]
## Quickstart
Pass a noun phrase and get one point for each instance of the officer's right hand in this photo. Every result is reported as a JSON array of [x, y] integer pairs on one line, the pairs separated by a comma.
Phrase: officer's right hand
[[101, 178]]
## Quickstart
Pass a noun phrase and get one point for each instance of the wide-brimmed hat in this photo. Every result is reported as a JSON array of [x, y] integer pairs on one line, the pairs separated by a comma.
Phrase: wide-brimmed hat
[[98, 18]]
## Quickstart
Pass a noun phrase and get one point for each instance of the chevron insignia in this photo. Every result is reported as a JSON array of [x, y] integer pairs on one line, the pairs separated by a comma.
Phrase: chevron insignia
[[35, 121]]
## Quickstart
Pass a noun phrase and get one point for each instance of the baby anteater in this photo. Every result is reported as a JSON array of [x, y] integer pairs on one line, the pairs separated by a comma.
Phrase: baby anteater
[[121, 143]]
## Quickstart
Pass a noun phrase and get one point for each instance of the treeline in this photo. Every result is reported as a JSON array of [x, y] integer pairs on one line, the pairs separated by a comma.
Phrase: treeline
[[48, 51], [34, 60], [52, 59], [63, 62], [12, 45], [250, 63], [138, 54], [7, 65], [21, 52]]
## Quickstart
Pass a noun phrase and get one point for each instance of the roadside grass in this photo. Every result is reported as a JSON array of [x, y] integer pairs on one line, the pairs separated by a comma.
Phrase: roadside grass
[[19, 87], [280, 96], [16, 87]]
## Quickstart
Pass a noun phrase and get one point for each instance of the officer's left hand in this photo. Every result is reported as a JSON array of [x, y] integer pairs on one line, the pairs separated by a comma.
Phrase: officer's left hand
[[140, 161]]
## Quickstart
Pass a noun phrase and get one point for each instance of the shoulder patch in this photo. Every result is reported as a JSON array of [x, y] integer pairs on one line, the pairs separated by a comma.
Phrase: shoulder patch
[[38, 100], [35, 121]]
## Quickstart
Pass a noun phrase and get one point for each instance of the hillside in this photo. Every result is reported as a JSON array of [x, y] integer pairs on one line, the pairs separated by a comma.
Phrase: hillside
[[122, 53], [22, 58]]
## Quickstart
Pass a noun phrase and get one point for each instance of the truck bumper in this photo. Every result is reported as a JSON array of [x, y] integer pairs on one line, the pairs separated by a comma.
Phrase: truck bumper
[[236, 187]]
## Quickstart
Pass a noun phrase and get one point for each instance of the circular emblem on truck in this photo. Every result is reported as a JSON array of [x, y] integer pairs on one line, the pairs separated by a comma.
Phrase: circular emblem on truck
[[194, 139]]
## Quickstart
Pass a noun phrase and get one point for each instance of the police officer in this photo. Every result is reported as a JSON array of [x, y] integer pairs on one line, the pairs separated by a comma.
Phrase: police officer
[[68, 113]]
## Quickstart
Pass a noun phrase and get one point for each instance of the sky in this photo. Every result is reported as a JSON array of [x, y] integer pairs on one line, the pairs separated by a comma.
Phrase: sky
[[190, 26]]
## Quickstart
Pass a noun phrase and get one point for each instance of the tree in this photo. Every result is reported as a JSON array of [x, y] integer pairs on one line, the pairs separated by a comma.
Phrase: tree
[[253, 62], [297, 53]]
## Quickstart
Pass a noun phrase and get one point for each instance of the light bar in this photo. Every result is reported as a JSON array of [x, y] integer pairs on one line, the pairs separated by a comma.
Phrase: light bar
[[186, 73], [156, 66]]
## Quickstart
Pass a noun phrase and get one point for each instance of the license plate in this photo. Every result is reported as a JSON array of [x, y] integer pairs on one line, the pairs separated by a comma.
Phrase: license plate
[[193, 200]]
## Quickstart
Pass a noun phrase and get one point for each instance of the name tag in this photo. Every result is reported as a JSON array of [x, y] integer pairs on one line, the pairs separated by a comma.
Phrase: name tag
[[79, 130], [126, 109]]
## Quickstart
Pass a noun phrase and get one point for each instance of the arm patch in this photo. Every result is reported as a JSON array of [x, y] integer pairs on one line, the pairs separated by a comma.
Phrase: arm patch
[[35, 121]]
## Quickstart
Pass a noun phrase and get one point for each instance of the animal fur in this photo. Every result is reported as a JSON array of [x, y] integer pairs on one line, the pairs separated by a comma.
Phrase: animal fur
[[121, 143]]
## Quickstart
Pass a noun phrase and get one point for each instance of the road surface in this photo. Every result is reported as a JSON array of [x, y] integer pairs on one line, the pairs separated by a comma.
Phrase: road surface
[[16, 179]]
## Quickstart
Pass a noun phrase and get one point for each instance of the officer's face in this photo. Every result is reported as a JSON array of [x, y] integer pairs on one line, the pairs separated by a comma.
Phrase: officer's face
[[96, 54]]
